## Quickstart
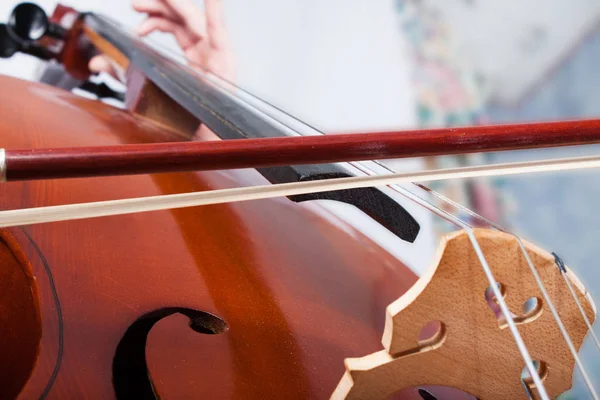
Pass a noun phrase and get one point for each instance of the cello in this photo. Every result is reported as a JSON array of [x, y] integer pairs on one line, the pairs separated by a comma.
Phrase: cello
[[262, 298]]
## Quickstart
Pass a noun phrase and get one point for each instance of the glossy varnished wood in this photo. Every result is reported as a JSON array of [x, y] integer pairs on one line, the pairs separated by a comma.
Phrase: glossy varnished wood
[[299, 290], [269, 152], [76, 49], [20, 322], [146, 99]]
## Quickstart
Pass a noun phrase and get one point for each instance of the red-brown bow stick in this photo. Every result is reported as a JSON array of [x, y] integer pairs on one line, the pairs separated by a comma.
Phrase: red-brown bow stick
[[254, 153]]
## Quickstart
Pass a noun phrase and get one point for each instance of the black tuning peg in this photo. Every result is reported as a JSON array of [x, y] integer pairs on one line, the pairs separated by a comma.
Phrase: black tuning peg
[[28, 23], [10, 46]]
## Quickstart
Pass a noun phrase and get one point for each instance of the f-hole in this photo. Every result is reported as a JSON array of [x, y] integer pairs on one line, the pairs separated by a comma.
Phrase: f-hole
[[425, 395], [131, 378]]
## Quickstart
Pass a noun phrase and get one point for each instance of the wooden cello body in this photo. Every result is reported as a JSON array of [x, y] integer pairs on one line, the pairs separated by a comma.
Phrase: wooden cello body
[[297, 291], [273, 298]]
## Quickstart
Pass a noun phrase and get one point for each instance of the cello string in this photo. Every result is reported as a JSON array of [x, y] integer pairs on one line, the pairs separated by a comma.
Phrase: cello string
[[163, 202], [585, 318], [350, 163], [526, 388], [118, 207], [521, 346], [360, 166], [403, 191], [226, 85], [561, 266], [397, 189], [540, 284], [563, 272], [436, 210]]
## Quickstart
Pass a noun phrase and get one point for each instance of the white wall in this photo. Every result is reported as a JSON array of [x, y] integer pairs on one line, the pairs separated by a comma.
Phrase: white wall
[[339, 64]]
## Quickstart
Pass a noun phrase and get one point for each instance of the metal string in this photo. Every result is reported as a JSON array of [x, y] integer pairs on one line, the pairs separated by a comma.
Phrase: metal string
[[493, 283], [540, 284], [404, 192], [563, 272], [520, 344], [559, 261], [436, 210], [526, 389], [526, 386], [211, 75]]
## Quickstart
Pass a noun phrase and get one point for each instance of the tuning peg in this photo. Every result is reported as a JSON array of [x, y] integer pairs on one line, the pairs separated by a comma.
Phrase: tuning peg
[[28, 23], [10, 46]]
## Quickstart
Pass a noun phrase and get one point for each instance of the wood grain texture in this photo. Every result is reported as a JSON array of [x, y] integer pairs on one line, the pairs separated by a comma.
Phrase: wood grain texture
[[20, 320], [474, 351], [75, 50], [81, 43], [106, 48], [145, 99], [264, 152], [299, 289]]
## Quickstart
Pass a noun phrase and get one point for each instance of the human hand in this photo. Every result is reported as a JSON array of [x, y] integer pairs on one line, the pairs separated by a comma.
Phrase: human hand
[[202, 36]]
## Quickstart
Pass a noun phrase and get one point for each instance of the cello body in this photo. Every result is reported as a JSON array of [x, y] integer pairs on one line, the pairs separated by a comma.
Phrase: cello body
[[261, 299], [273, 298]]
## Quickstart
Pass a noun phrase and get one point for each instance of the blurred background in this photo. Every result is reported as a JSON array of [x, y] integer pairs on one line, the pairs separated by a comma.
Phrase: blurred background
[[366, 65]]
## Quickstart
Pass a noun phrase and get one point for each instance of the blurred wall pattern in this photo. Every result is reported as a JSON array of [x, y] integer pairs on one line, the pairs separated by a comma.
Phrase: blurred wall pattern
[[513, 44], [447, 94], [569, 91], [559, 210], [538, 60]]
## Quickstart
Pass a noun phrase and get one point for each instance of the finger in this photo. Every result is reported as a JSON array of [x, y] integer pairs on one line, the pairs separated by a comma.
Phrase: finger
[[155, 7], [215, 24], [205, 134], [153, 24], [192, 15], [101, 64]]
